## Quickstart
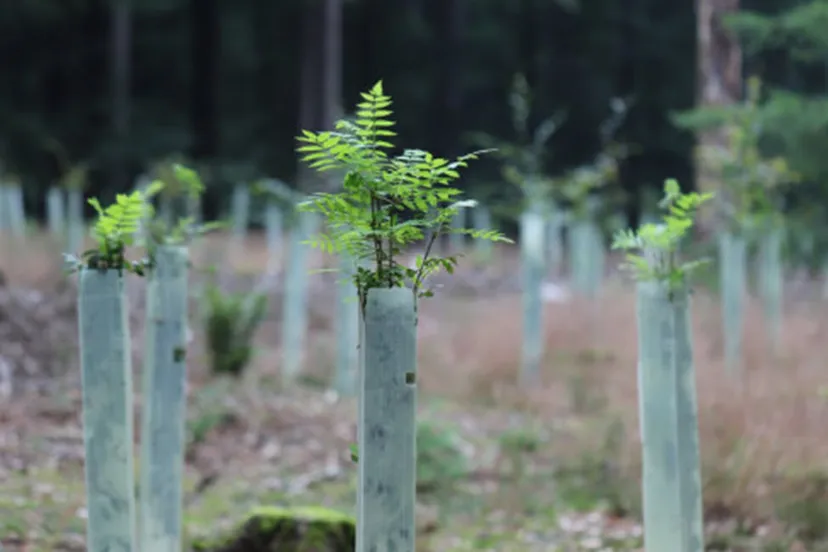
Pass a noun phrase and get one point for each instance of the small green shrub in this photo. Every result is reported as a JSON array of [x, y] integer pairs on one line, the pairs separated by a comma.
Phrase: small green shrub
[[231, 320], [803, 505], [440, 462]]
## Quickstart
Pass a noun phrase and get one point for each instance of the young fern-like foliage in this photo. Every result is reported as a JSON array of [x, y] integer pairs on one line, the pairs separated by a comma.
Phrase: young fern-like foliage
[[663, 239], [114, 231], [387, 202]]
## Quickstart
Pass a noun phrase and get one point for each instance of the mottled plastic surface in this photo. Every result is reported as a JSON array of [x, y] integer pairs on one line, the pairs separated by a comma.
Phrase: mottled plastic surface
[[770, 285], [532, 234], [671, 482], [732, 261], [387, 439], [164, 403], [106, 371]]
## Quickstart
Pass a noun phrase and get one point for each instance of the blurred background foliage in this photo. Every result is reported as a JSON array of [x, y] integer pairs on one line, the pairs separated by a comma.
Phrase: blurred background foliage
[[119, 84]]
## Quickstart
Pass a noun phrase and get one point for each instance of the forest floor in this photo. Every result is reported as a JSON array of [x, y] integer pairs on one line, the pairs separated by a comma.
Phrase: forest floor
[[554, 468]]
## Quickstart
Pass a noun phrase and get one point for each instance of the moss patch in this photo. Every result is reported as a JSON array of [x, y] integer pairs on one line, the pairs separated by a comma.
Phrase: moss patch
[[301, 529]]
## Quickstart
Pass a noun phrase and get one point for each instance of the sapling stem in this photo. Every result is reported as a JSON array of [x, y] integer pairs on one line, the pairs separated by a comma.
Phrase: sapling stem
[[164, 406], [295, 315], [55, 211], [387, 440], [532, 268], [732, 260], [106, 374], [770, 285], [669, 418]]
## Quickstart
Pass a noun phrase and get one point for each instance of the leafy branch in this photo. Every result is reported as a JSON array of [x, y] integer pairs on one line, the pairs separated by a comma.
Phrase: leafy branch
[[387, 202], [660, 242]]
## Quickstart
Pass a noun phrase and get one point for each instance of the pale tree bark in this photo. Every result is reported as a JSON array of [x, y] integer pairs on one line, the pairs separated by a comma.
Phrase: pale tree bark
[[719, 80]]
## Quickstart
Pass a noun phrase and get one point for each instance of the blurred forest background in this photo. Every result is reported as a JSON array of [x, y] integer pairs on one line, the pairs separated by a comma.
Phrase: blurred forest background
[[119, 84]]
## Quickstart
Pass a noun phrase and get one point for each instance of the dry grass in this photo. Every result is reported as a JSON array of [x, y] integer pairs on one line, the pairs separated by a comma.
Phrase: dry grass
[[762, 437]]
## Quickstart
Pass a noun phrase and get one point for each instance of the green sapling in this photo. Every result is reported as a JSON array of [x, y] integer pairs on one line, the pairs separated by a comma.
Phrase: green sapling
[[165, 378], [668, 412], [106, 372], [387, 203], [750, 187]]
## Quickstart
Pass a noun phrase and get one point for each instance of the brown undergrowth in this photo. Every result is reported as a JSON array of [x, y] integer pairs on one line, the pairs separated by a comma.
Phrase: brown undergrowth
[[762, 435]]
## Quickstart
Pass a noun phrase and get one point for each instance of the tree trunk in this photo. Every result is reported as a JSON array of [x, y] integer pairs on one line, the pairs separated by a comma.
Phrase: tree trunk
[[120, 60], [205, 43], [719, 80]]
